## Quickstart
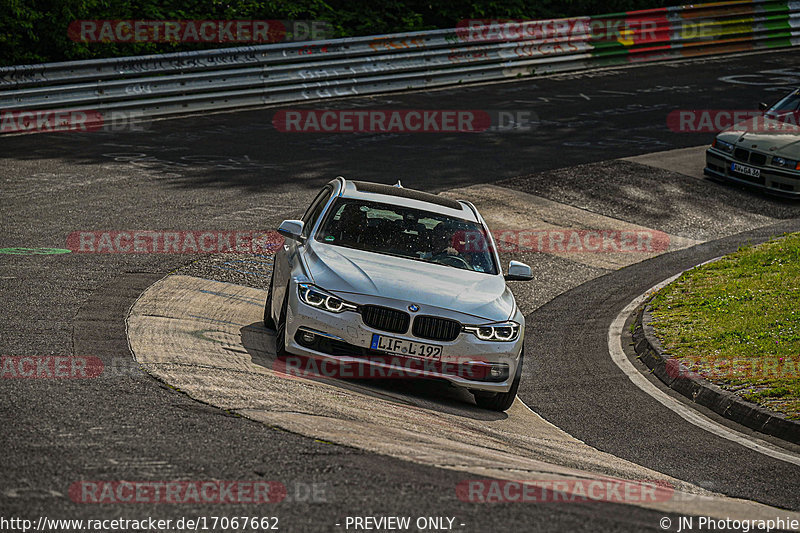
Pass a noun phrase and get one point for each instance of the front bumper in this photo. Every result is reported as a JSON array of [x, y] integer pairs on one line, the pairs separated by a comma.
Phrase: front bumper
[[344, 339], [773, 180]]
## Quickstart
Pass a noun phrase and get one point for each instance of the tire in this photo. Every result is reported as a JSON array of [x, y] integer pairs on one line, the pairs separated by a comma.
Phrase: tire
[[280, 328], [268, 322], [501, 401]]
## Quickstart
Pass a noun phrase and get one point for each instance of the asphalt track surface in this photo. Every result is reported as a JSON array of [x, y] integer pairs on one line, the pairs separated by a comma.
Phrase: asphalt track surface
[[594, 401], [234, 171]]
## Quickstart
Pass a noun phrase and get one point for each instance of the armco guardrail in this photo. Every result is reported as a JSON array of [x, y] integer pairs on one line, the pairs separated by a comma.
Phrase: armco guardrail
[[185, 82]]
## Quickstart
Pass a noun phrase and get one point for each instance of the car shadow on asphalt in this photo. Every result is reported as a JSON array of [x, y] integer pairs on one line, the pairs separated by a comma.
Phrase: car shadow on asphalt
[[433, 395]]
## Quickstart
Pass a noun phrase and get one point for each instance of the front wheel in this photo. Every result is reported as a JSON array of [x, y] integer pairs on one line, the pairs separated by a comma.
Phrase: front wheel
[[501, 401], [280, 328], [268, 322]]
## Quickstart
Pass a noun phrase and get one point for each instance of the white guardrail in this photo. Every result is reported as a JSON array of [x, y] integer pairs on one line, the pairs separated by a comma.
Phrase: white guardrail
[[185, 82]]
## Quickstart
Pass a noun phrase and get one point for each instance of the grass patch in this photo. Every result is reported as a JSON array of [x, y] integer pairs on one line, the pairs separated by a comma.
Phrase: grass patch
[[736, 322]]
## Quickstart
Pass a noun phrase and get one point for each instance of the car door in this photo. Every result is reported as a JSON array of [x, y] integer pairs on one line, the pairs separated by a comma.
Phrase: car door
[[287, 259]]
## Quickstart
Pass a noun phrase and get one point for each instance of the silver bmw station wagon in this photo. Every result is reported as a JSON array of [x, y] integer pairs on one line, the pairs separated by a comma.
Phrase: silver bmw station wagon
[[405, 282]]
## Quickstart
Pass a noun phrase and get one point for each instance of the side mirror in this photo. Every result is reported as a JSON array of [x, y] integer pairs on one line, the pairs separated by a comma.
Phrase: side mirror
[[518, 272], [763, 107], [291, 229]]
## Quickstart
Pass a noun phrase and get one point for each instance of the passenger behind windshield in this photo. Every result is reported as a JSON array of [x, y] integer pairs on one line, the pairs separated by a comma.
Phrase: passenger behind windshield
[[409, 233]]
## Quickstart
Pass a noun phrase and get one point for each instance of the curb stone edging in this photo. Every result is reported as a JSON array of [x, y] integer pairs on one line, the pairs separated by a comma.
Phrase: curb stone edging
[[691, 385]]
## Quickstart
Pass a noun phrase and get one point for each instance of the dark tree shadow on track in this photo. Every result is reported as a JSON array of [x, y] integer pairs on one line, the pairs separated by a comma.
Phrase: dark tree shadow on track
[[577, 118], [660, 199]]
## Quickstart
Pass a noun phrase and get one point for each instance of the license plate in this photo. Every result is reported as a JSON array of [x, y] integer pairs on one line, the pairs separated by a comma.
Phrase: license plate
[[747, 171], [404, 347]]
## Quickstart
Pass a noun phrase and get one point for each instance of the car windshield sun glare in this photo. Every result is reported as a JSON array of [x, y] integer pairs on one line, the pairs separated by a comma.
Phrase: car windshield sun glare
[[409, 233]]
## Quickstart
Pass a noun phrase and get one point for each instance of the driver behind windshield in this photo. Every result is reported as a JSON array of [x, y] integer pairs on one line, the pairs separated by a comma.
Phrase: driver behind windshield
[[352, 223], [442, 240]]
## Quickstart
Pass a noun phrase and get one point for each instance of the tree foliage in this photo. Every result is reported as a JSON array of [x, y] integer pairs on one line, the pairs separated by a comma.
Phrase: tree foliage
[[35, 31]]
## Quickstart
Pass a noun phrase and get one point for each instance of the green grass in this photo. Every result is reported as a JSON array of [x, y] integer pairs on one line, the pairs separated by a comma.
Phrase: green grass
[[736, 322]]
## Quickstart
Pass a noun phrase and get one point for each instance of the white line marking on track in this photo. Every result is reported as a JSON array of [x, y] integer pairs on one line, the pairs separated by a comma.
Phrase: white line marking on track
[[682, 410]]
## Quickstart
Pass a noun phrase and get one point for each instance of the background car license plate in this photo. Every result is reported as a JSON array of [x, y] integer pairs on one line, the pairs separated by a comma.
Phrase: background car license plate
[[747, 171], [404, 347]]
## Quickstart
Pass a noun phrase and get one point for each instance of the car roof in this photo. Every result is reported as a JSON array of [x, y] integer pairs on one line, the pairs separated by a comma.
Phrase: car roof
[[400, 196]]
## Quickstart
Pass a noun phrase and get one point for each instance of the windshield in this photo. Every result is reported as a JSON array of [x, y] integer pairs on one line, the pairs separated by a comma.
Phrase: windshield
[[409, 233], [788, 105]]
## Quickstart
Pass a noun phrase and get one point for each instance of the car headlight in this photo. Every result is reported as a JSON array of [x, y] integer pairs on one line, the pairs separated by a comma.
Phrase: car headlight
[[321, 299], [785, 163], [504, 332], [723, 146]]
